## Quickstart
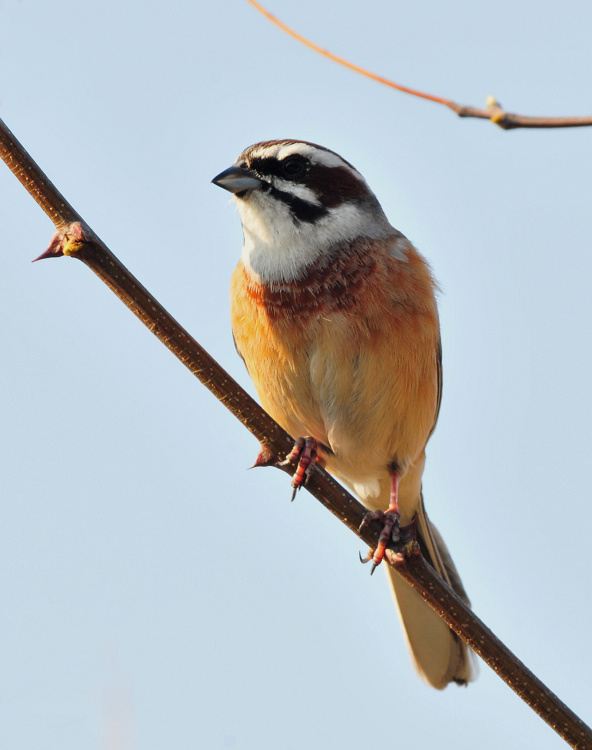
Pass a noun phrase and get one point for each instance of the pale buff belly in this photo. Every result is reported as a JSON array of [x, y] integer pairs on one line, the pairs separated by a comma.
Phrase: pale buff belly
[[370, 398]]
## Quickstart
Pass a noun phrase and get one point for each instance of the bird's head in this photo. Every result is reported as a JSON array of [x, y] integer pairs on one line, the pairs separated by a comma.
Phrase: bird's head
[[299, 203]]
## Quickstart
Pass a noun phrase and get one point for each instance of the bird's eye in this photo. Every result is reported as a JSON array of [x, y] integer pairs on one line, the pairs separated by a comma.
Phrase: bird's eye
[[294, 167]]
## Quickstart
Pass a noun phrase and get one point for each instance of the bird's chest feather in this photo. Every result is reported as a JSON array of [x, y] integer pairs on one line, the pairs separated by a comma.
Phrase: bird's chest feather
[[344, 360]]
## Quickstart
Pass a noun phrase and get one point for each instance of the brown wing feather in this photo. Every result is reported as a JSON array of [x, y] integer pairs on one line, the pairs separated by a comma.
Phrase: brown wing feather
[[439, 380]]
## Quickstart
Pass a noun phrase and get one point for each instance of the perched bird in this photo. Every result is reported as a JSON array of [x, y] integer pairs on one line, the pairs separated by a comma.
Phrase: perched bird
[[335, 317]]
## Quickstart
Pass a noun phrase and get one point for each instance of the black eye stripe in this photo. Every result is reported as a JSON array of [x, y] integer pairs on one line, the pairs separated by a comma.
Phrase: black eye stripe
[[295, 167], [272, 167], [331, 185]]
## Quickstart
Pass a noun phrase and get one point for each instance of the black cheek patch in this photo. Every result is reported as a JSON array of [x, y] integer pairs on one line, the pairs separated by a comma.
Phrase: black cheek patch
[[335, 185], [300, 209]]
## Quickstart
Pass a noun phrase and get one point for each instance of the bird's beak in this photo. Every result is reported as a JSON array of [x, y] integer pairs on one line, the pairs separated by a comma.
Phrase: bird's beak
[[237, 180]]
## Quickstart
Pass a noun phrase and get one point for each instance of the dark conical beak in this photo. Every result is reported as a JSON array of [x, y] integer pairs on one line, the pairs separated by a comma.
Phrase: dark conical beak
[[237, 180]]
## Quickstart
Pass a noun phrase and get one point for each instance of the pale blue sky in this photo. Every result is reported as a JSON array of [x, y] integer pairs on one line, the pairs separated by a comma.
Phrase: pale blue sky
[[128, 622]]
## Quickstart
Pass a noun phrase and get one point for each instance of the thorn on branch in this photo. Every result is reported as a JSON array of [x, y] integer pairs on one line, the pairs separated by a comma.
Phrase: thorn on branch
[[66, 241], [265, 457]]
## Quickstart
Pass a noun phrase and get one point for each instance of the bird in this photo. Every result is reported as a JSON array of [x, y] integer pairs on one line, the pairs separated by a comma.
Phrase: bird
[[334, 314]]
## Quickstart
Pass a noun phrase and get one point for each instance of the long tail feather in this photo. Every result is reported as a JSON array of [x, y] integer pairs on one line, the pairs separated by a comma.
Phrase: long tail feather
[[439, 655]]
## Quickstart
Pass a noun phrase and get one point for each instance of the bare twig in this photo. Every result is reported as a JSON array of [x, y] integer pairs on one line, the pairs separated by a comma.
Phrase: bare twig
[[493, 111], [87, 247]]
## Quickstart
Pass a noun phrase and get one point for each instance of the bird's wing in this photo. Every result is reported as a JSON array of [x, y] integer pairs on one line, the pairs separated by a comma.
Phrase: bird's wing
[[238, 351], [439, 376]]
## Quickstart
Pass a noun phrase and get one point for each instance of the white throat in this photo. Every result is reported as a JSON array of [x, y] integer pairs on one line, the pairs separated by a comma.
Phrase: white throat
[[278, 249]]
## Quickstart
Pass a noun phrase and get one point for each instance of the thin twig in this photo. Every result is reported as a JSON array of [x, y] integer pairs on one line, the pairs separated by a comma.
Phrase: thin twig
[[95, 254], [493, 112]]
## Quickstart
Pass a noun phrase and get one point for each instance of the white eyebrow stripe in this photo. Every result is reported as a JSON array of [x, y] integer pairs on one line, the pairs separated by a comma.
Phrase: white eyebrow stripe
[[259, 153], [316, 155]]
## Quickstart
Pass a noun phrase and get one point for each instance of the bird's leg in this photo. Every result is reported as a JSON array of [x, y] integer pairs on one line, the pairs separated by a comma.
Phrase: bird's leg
[[304, 455], [391, 529]]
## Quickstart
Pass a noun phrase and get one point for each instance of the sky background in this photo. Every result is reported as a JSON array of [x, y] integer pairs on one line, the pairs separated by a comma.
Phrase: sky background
[[127, 622]]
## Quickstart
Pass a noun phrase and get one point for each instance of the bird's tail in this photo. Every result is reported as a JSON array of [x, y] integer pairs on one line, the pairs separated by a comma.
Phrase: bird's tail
[[439, 655]]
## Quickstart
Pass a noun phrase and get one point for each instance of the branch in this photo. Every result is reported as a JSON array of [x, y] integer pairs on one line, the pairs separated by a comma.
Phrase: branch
[[76, 239], [493, 112]]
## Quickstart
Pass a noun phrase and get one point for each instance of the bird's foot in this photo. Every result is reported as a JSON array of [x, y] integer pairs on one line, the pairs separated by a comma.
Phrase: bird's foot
[[304, 455], [389, 536], [393, 536]]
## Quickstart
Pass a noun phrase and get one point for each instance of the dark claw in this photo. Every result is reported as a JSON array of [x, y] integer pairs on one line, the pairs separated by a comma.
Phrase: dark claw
[[390, 534], [371, 515], [303, 457]]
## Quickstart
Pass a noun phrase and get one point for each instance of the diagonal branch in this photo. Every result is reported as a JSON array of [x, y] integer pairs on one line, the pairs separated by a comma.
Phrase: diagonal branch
[[493, 111], [77, 239]]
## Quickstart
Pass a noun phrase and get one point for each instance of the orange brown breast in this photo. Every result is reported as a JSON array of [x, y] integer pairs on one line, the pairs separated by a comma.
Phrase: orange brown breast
[[348, 355]]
